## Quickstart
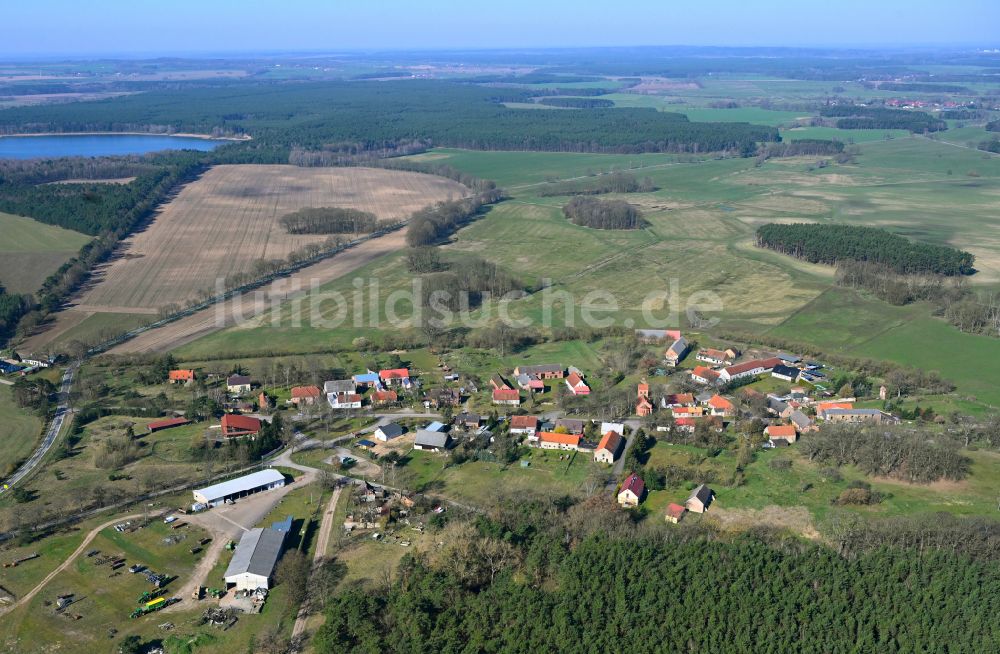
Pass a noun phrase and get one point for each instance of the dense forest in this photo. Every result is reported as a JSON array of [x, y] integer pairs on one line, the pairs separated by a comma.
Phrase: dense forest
[[599, 185], [375, 114], [856, 117], [12, 307], [577, 103], [585, 579], [602, 214], [329, 220], [830, 243], [993, 126]]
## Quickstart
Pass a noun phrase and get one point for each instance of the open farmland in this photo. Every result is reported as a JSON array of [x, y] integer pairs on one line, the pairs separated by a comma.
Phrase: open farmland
[[30, 251]]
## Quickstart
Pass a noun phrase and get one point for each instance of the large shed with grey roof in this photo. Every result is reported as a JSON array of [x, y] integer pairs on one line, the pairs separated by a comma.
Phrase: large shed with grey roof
[[255, 559], [261, 480]]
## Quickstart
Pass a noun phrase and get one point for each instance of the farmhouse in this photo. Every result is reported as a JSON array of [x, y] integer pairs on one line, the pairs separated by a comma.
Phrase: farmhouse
[[339, 386], [440, 397], [395, 377], [703, 375], [675, 512], [544, 371], [167, 423], [783, 432], [786, 373], [610, 448], [720, 406], [823, 407], [714, 357], [572, 425], [239, 487], [238, 384], [524, 425], [748, 369], [255, 559], [305, 395], [344, 400], [431, 441], [530, 383], [234, 426], [180, 376], [550, 440], [468, 420], [677, 399], [676, 352], [506, 396], [499, 383], [386, 433], [857, 415], [367, 379], [632, 490], [700, 499], [384, 397], [576, 384], [802, 422]]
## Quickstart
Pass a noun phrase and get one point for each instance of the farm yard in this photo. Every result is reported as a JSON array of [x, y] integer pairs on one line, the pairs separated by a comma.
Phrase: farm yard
[[30, 251]]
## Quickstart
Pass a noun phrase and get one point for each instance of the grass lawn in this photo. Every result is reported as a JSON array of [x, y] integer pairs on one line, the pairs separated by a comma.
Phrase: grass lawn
[[21, 431], [30, 251]]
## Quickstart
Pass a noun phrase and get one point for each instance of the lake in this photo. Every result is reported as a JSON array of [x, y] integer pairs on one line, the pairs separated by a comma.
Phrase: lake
[[96, 145]]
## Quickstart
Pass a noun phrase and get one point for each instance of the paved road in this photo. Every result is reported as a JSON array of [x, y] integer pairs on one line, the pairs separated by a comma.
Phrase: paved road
[[51, 434]]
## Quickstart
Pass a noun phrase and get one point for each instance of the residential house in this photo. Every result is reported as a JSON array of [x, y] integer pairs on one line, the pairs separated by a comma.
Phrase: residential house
[[305, 395], [395, 377], [524, 425], [499, 383], [823, 407], [784, 432], [688, 411], [441, 397], [675, 512], [779, 407], [677, 399], [344, 400], [531, 383], [618, 427], [431, 441], [381, 398], [676, 352], [234, 426], [685, 424], [238, 384], [576, 384], [720, 406], [468, 420], [786, 373], [544, 371], [748, 369], [507, 396], [651, 336], [386, 433], [339, 387], [367, 380], [610, 448], [802, 422], [857, 415], [631, 492], [714, 357], [700, 499], [704, 375], [180, 376], [550, 440]]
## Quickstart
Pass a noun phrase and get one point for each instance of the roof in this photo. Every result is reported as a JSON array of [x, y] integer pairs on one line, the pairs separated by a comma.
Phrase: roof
[[240, 484], [347, 398], [466, 417], [679, 398], [305, 391], [703, 494], [611, 442], [435, 426], [283, 526], [785, 371], [705, 373], [575, 380], [555, 437], [338, 386], [800, 419], [385, 396], [237, 380], [431, 438], [678, 346], [675, 510], [242, 423], [524, 422], [712, 353], [395, 373], [169, 422], [542, 368], [853, 412], [364, 442], [826, 406], [257, 553], [573, 424], [392, 430], [633, 483], [790, 358], [781, 431], [181, 374], [719, 402], [367, 378], [506, 394], [746, 366], [613, 426]]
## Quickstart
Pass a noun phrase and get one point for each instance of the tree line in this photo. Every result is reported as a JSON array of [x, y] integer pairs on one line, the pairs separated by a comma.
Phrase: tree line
[[576, 103], [858, 117], [602, 214], [329, 220], [432, 224], [830, 243], [617, 182]]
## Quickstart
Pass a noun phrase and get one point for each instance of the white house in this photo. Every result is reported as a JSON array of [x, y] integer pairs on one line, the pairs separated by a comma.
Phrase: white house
[[344, 400], [388, 432]]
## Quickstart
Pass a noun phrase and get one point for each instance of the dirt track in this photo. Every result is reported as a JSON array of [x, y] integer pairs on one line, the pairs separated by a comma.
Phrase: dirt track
[[207, 321]]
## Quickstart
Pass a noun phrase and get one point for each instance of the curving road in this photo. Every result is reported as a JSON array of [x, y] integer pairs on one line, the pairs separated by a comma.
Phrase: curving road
[[51, 434]]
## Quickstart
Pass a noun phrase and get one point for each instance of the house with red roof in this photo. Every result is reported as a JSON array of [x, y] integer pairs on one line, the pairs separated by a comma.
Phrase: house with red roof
[[551, 440], [305, 395], [344, 400], [610, 448], [234, 426], [703, 375], [677, 399], [396, 376], [675, 512], [823, 407], [384, 397], [576, 384], [749, 369], [631, 492], [720, 406], [166, 423], [180, 376], [527, 425], [676, 352], [782, 432], [507, 396]]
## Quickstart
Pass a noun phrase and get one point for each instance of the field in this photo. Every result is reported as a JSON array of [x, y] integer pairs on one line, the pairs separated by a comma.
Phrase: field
[[31, 251], [21, 431], [227, 221]]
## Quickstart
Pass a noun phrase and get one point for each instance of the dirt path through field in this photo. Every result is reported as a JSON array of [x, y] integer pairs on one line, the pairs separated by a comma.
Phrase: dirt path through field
[[200, 574], [65, 564], [208, 321], [322, 544]]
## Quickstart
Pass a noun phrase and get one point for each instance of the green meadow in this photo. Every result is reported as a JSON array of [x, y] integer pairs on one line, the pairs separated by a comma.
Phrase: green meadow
[[30, 251]]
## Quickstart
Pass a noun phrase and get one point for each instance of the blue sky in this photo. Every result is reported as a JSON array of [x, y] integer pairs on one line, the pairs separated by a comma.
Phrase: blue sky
[[185, 26]]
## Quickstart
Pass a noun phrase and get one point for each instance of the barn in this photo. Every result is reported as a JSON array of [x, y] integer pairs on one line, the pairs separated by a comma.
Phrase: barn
[[255, 559], [240, 487]]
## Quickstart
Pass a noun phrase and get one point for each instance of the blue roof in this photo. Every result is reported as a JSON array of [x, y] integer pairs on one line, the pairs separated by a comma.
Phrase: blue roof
[[367, 378], [366, 443], [283, 526], [435, 426], [7, 368]]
